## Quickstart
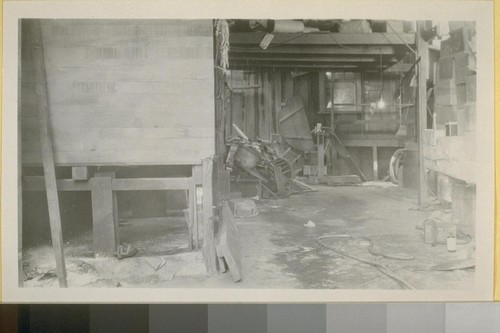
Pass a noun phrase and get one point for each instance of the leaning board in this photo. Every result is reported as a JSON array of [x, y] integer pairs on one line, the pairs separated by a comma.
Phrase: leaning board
[[122, 92]]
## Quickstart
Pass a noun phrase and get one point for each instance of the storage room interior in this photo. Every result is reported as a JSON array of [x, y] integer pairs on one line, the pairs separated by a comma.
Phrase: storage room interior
[[303, 154]]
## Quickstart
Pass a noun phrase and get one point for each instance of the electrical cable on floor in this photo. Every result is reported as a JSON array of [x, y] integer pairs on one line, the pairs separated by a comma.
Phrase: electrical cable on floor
[[381, 267]]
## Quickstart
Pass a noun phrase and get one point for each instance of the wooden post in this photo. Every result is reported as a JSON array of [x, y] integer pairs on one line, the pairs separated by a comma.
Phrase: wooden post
[[192, 212], [104, 215], [197, 179], [321, 156], [47, 155], [208, 222], [375, 162], [20, 274], [423, 53]]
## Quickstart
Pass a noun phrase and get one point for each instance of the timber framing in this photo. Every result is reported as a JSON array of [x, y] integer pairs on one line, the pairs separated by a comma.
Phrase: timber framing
[[318, 51]]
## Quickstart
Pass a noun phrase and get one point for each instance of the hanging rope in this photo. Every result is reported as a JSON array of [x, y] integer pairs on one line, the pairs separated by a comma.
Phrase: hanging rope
[[222, 37]]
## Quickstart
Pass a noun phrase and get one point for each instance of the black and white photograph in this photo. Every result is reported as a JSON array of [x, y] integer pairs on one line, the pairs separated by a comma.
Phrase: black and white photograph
[[254, 156]]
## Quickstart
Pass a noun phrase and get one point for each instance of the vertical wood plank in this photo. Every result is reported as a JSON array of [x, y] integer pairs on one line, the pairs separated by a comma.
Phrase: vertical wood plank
[[209, 253], [20, 270], [248, 107], [375, 162], [191, 213], [267, 90], [197, 175], [321, 156], [104, 216], [288, 86], [47, 155], [277, 99], [423, 53], [255, 80]]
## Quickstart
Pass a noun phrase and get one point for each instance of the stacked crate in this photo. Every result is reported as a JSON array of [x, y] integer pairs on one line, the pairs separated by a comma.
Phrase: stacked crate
[[455, 81], [450, 147]]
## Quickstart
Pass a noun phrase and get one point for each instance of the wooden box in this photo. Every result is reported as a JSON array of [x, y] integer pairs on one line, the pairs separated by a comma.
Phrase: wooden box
[[461, 67], [446, 68], [445, 92], [470, 88], [445, 113], [446, 49], [461, 95], [470, 117], [460, 40]]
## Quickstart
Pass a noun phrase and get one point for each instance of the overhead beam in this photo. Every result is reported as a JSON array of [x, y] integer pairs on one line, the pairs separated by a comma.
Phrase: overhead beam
[[375, 38], [266, 57], [303, 66], [314, 49], [303, 62]]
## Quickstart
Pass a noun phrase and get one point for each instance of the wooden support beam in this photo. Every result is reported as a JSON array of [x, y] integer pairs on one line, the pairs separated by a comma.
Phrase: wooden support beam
[[104, 215], [312, 65], [37, 183], [423, 68], [209, 252], [228, 245], [313, 50], [333, 59], [47, 154], [375, 38], [191, 200], [375, 162], [321, 156], [371, 140], [197, 174], [151, 184]]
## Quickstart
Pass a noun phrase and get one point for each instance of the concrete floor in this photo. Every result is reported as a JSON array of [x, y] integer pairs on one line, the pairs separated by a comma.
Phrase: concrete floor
[[278, 251]]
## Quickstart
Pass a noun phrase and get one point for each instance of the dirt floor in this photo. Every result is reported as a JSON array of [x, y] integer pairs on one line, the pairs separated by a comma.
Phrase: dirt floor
[[279, 248]]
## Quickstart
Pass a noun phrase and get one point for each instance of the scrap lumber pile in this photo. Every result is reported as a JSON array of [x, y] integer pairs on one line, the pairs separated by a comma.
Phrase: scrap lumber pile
[[267, 161]]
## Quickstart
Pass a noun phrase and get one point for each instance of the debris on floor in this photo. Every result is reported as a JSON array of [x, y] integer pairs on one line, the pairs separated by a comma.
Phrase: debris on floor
[[278, 250], [310, 224], [268, 162], [243, 208], [126, 251]]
